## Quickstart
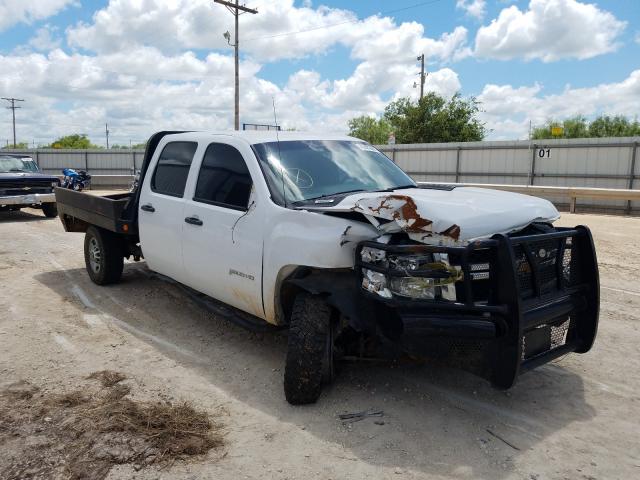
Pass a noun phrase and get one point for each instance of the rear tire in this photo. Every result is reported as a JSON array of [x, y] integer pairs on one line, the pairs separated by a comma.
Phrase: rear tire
[[50, 210], [103, 256], [310, 349]]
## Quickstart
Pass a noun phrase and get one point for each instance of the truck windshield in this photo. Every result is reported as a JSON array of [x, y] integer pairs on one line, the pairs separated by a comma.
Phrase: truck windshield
[[17, 164], [313, 169]]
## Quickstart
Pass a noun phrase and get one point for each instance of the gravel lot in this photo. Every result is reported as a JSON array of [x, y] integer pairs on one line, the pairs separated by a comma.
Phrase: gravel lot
[[577, 418]]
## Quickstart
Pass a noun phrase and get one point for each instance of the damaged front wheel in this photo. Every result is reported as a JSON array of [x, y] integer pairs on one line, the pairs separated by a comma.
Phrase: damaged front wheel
[[310, 349]]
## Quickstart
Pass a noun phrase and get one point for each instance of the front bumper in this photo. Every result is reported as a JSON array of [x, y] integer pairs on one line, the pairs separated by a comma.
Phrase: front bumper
[[26, 200], [539, 301]]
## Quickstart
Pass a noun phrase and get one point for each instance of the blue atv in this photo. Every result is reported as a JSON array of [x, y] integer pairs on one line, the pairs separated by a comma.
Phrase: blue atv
[[73, 180]]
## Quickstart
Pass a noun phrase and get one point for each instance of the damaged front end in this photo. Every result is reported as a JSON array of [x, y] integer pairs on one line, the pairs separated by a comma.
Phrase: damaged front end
[[396, 213], [496, 306], [475, 278]]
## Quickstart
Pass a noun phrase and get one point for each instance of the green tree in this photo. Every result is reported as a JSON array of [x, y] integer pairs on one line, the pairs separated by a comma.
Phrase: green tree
[[76, 140], [579, 127], [435, 119], [135, 146], [21, 145], [618, 126], [370, 129], [574, 127]]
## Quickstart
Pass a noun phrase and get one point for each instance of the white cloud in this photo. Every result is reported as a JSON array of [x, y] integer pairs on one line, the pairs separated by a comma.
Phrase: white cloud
[[637, 38], [191, 24], [550, 30], [369, 89], [142, 90], [137, 92], [473, 8], [444, 82], [45, 39], [28, 11], [508, 109], [133, 66]]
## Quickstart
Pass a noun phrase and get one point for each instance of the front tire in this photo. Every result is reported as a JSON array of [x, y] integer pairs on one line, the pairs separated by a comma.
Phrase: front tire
[[50, 210], [310, 349], [103, 256]]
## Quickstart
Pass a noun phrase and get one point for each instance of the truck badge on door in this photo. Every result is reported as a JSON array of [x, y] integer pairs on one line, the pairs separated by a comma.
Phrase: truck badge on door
[[240, 274]]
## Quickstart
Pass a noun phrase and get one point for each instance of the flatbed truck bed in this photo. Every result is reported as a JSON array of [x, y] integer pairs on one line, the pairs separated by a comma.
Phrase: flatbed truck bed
[[77, 209]]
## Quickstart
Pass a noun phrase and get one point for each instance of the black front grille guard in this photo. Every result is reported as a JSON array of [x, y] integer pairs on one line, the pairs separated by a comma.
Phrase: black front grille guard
[[525, 295]]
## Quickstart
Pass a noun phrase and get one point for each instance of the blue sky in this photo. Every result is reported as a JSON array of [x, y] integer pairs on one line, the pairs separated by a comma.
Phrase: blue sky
[[145, 65]]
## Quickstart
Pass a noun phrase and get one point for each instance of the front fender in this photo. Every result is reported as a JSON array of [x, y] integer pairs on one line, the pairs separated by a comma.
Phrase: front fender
[[341, 289], [297, 240]]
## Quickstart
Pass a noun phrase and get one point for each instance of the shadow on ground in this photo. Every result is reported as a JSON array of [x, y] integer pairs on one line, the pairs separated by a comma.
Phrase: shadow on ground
[[436, 420], [22, 216]]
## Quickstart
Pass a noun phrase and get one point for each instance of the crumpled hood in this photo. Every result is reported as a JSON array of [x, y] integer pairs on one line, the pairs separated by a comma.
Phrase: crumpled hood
[[447, 217]]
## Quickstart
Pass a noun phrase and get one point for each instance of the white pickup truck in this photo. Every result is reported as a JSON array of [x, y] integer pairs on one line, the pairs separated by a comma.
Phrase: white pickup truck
[[327, 236]]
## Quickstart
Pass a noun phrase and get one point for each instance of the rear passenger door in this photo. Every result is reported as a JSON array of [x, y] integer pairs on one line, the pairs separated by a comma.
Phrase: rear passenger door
[[161, 209], [222, 244]]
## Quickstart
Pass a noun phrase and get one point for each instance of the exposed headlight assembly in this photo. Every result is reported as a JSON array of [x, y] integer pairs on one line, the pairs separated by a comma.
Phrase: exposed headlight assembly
[[375, 282], [373, 255], [421, 276]]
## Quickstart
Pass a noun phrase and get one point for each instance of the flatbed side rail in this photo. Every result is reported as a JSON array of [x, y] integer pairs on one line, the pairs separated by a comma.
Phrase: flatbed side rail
[[77, 210]]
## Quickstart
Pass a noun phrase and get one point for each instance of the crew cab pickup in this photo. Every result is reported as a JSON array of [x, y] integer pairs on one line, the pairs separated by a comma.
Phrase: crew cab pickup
[[327, 236], [23, 185]]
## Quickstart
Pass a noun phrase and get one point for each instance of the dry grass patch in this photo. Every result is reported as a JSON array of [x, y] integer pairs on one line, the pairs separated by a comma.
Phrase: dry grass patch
[[108, 378], [83, 434]]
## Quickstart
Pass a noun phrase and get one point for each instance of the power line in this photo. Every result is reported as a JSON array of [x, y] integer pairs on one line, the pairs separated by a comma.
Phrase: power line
[[345, 22], [13, 108]]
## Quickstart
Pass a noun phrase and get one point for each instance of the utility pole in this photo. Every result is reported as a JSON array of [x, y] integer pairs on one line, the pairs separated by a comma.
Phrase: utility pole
[[106, 132], [236, 10], [423, 75], [13, 111]]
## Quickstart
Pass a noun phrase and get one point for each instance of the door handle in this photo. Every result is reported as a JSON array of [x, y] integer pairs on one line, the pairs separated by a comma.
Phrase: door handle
[[193, 221], [148, 208]]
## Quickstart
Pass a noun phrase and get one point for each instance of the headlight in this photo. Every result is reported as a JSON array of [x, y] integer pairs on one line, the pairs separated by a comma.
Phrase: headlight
[[422, 288], [54, 184], [375, 282], [373, 255], [436, 278]]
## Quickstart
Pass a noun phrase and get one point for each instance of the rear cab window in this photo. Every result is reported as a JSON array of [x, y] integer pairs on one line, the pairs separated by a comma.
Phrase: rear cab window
[[224, 178], [172, 169]]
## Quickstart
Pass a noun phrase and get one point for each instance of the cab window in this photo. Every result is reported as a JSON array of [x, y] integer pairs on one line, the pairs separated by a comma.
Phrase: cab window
[[172, 170], [224, 179]]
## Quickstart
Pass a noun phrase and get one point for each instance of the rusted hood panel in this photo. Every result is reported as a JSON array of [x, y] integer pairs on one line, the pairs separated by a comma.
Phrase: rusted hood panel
[[448, 217]]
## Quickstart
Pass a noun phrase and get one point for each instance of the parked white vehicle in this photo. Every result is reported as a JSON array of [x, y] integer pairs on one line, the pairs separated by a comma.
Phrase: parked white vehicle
[[327, 236]]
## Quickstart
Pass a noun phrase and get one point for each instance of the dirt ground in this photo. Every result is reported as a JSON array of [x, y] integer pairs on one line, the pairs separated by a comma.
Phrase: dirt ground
[[576, 418]]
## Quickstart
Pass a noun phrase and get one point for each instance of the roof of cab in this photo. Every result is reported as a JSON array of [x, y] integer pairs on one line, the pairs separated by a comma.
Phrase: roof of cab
[[260, 136]]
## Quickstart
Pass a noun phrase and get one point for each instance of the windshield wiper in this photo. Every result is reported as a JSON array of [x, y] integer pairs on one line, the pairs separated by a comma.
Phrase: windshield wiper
[[17, 170], [329, 195], [402, 187]]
